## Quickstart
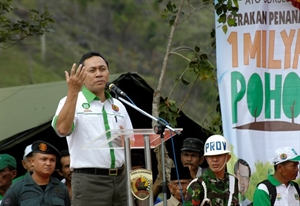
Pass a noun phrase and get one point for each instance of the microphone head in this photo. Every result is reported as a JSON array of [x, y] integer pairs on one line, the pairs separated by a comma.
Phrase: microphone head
[[107, 85]]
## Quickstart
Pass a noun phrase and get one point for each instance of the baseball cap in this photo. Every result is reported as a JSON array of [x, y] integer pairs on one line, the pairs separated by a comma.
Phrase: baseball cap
[[27, 151], [192, 144], [43, 147], [7, 160], [284, 154]]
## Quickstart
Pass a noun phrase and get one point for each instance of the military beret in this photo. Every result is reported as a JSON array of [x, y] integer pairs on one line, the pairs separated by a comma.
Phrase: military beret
[[43, 147]]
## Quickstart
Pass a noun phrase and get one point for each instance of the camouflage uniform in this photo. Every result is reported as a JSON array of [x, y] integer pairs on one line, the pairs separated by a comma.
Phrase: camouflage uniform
[[217, 190]]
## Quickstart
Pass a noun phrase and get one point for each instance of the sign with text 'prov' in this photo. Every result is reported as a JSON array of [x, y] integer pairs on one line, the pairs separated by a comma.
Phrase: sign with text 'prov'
[[258, 64]]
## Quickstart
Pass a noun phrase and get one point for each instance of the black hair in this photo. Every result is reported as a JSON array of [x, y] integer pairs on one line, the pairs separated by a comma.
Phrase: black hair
[[137, 160], [242, 162], [63, 153], [10, 168], [91, 54], [282, 163]]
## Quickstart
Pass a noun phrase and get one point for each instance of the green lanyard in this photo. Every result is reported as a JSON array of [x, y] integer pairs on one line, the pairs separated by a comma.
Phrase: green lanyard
[[108, 135]]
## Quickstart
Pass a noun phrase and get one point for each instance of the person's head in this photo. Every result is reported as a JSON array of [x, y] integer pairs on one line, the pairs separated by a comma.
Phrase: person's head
[[192, 153], [242, 172], [8, 171], [44, 158], [183, 179], [286, 164], [97, 69], [64, 169], [137, 161], [26, 161], [216, 152]]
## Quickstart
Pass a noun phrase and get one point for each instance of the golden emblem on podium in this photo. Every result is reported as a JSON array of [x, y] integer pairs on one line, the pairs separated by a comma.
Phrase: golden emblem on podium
[[141, 183]]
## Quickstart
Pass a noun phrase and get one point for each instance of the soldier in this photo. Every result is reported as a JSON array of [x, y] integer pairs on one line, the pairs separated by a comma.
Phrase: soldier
[[39, 188], [215, 186]]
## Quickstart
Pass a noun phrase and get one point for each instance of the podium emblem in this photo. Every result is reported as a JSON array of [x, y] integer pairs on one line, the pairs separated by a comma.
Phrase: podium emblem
[[141, 183]]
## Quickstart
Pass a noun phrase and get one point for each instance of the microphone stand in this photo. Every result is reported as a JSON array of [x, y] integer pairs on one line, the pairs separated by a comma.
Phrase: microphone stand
[[158, 129]]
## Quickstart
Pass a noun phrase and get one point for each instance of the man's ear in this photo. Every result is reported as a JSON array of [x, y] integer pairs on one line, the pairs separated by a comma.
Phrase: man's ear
[[14, 174], [228, 157], [24, 164], [32, 161], [170, 188]]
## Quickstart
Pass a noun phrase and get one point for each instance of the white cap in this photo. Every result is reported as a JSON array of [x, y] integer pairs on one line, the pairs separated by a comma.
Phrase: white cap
[[216, 145], [284, 154], [27, 151]]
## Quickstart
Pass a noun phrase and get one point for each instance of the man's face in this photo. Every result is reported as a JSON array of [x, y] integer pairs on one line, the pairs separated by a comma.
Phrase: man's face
[[190, 159], [27, 163], [217, 163], [65, 170], [243, 178], [6, 178], [43, 164], [175, 188], [289, 170], [97, 74]]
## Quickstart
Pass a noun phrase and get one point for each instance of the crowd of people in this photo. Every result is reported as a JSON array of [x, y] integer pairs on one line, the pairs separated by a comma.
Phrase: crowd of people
[[98, 176]]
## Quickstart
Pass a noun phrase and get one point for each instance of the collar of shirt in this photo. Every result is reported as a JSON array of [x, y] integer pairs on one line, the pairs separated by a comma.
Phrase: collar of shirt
[[175, 201], [28, 180], [91, 96], [199, 172], [275, 182]]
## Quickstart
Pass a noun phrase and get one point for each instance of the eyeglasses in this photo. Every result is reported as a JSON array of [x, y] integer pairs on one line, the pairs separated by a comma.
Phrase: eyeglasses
[[245, 178]]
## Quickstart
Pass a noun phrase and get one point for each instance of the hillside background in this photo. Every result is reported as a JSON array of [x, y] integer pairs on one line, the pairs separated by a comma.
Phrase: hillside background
[[130, 33]]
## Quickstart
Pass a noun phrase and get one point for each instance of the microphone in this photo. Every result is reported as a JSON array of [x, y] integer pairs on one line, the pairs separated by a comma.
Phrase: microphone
[[115, 89]]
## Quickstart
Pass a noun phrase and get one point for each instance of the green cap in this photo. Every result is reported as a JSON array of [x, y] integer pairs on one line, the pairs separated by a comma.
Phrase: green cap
[[7, 160]]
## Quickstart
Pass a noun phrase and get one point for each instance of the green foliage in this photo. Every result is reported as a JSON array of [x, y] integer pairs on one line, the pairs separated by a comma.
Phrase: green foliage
[[168, 111], [200, 67], [169, 12], [261, 172], [135, 45], [227, 11], [12, 32]]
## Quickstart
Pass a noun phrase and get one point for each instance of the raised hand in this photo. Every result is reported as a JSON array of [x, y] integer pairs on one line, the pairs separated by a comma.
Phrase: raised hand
[[76, 78]]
